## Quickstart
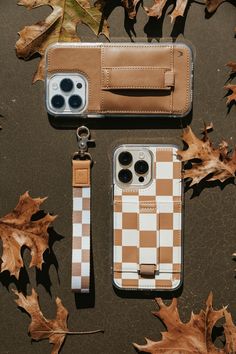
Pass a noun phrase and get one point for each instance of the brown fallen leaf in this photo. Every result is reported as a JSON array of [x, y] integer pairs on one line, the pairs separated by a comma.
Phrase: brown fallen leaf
[[234, 257], [206, 161], [230, 333], [193, 336], [232, 96], [212, 5], [59, 26], [131, 7], [40, 327], [156, 9], [18, 230], [232, 66]]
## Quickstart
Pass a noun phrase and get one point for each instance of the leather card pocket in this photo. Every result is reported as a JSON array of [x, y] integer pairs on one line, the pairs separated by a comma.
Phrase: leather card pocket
[[147, 237]]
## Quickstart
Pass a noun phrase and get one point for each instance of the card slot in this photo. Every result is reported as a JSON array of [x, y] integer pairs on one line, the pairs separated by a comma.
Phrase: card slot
[[147, 233]]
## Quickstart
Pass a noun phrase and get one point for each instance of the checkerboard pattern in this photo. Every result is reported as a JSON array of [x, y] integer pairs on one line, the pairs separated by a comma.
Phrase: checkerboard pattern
[[148, 227], [81, 240]]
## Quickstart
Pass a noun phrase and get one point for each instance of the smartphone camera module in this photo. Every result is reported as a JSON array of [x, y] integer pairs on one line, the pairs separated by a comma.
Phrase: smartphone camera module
[[125, 176], [66, 94], [133, 166], [141, 167], [125, 158]]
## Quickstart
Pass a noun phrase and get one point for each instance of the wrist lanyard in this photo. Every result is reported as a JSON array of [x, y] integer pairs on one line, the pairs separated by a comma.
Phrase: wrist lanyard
[[81, 187]]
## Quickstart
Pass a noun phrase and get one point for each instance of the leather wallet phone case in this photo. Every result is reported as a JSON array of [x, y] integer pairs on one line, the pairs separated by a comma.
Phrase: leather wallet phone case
[[147, 227], [123, 78]]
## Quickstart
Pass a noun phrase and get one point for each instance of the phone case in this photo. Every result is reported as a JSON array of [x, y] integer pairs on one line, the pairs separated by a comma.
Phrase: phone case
[[147, 227], [121, 78]]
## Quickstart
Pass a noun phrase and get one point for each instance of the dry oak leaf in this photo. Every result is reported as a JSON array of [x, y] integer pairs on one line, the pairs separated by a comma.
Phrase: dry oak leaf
[[59, 26], [157, 8], [207, 162], [40, 327], [191, 337], [232, 96], [230, 333], [18, 230], [232, 66], [212, 5]]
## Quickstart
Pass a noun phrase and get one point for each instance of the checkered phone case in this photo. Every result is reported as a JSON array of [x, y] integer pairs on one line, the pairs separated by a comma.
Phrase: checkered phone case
[[147, 222]]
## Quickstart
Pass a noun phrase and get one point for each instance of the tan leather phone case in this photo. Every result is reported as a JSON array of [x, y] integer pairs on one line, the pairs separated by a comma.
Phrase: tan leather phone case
[[127, 78]]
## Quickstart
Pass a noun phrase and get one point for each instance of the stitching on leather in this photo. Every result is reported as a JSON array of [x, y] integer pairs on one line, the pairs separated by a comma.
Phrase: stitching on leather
[[136, 111], [134, 67], [146, 286], [187, 99], [144, 204], [172, 68], [106, 71], [178, 111], [108, 78], [126, 111], [128, 46], [110, 46], [136, 87]]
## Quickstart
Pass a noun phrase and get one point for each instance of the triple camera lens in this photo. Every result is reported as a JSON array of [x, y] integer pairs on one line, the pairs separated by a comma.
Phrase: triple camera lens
[[74, 101], [140, 167]]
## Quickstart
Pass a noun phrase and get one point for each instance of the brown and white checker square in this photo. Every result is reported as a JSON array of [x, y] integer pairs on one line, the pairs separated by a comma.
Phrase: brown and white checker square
[[148, 227], [81, 240]]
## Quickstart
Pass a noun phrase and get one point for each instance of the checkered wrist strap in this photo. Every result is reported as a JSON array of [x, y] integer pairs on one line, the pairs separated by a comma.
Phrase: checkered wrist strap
[[80, 278]]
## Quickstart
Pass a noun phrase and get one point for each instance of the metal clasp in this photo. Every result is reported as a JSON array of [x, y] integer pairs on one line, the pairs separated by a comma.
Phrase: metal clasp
[[83, 139]]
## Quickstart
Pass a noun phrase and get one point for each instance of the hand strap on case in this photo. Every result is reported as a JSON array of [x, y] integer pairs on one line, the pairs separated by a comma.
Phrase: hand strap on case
[[81, 165]]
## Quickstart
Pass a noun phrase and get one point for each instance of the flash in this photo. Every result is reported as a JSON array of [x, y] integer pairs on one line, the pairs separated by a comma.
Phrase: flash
[[55, 86], [141, 155]]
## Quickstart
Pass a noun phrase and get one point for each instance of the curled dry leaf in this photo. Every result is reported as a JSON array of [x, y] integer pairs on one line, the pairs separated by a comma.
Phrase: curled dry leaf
[[194, 336], [232, 66], [232, 96], [40, 327], [212, 5], [157, 8], [206, 161], [18, 230], [231, 88], [230, 333], [59, 26]]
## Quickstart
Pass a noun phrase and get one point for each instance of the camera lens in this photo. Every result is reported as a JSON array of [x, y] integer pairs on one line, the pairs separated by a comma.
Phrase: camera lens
[[58, 101], [75, 101], [66, 85], [141, 167], [125, 176], [125, 158]]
